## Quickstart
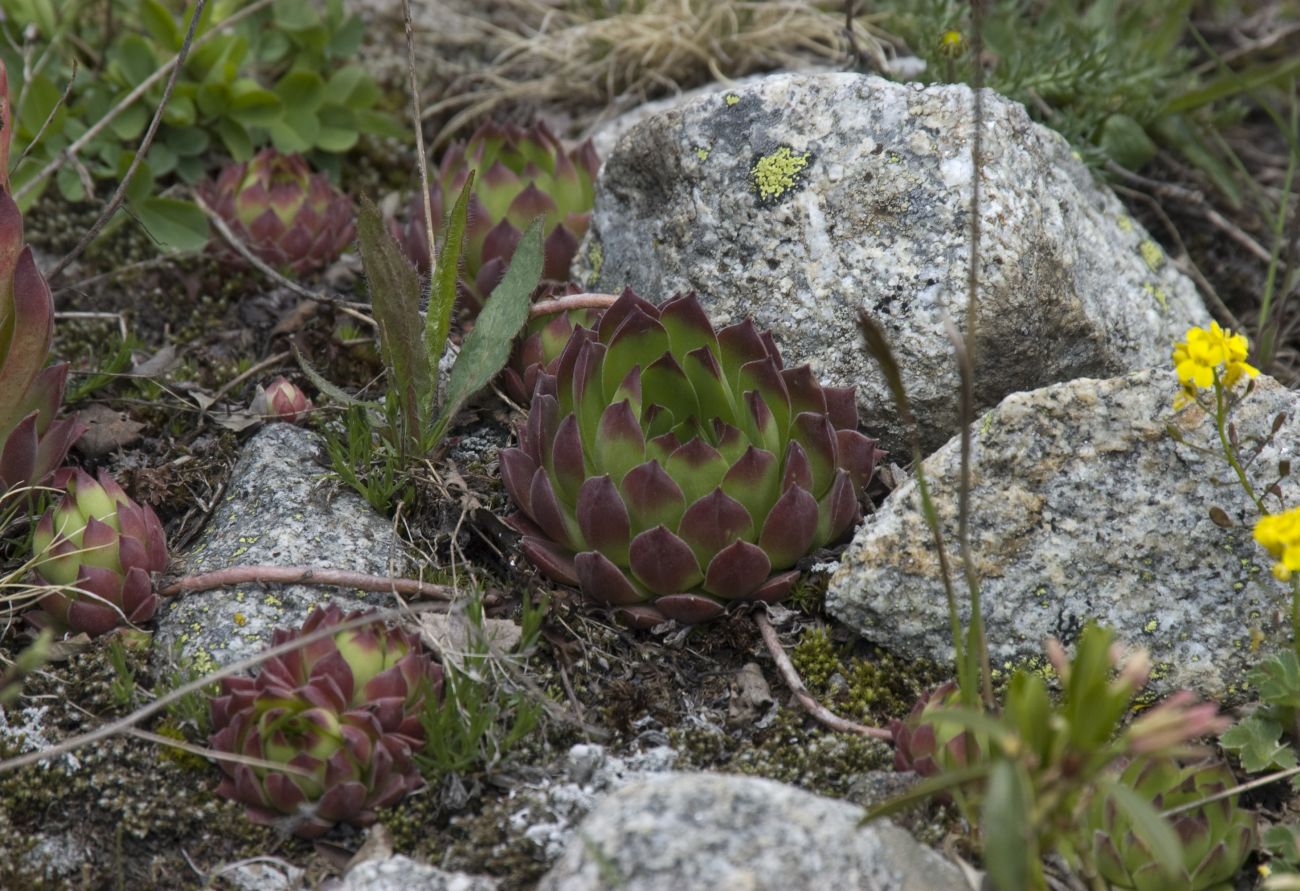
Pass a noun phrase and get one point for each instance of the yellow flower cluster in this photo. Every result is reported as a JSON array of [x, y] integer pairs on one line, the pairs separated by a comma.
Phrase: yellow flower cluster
[[1280, 536], [1206, 353]]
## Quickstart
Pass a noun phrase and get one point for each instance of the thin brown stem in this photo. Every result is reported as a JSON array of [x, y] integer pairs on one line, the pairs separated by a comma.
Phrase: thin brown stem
[[305, 575], [571, 301], [419, 134], [63, 100], [807, 700]]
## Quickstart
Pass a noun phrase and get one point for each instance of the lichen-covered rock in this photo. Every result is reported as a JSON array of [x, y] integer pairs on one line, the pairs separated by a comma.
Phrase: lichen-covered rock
[[399, 873], [276, 510], [1084, 507], [701, 832], [801, 198]]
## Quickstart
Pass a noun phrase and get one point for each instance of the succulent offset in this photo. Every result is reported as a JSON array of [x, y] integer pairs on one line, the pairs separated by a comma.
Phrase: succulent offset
[[520, 174], [925, 745], [101, 549], [668, 469], [341, 714], [539, 348], [1216, 836], [289, 217], [32, 441], [281, 400]]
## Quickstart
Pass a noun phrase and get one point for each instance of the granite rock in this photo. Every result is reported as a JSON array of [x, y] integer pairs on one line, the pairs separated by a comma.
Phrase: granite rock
[[701, 832], [401, 873], [277, 510], [799, 199], [1083, 507]]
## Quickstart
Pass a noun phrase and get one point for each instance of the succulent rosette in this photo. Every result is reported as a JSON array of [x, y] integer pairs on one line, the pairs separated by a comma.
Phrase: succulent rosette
[[101, 549], [33, 443], [925, 745], [1216, 835], [342, 714], [289, 216], [538, 350], [668, 469], [281, 400], [520, 174]]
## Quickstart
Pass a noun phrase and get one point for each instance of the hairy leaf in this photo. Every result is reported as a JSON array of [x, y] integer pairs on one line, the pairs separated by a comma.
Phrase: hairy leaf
[[1258, 743], [442, 293]]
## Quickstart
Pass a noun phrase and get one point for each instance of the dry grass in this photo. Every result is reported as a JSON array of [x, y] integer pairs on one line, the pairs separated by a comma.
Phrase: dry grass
[[592, 61]]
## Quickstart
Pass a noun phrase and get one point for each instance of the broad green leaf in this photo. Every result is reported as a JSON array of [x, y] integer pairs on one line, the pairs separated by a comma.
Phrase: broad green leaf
[[1146, 823], [175, 224], [133, 59], [158, 21], [142, 182], [190, 170], [1277, 679], [301, 89], [395, 296], [181, 111], [42, 98], [1177, 133], [253, 105], [338, 129], [1126, 142], [188, 141], [378, 124], [235, 138], [69, 184], [295, 15], [1007, 829], [131, 122], [295, 130], [346, 39], [212, 99], [487, 347], [446, 272], [342, 83], [1258, 743], [161, 157]]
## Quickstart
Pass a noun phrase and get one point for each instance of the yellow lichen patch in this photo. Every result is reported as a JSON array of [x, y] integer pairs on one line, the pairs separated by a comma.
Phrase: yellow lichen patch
[[777, 173], [1152, 254], [1157, 293], [702, 153], [241, 620], [731, 99], [1124, 223]]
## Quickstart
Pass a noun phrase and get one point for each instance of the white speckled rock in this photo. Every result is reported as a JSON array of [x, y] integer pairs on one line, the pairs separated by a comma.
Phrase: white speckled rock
[[799, 199], [702, 832], [1083, 507], [401, 873], [275, 511]]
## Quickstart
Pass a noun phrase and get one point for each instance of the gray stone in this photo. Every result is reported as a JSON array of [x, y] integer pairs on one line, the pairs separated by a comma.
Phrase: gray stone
[[1084, 508], [277, 510], [800, 199], [401, 873], [547, 813], [689, 831]]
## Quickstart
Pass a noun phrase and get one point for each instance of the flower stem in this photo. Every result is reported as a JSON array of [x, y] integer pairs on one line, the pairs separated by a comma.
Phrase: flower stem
[[1220, 423]]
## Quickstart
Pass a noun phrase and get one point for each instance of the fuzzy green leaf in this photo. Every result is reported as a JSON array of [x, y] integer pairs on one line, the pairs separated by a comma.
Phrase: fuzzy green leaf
[[1147, 824], [395, 296], [442, 290], [1257, 741], [1006, 824], [175, 224], [1277, 679], [487, 347]]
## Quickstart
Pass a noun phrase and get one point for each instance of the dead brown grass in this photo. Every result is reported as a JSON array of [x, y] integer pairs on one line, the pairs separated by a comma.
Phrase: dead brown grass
[[592, 61]]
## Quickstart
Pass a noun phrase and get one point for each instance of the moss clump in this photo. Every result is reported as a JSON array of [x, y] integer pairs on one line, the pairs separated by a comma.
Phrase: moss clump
[[814, 658]]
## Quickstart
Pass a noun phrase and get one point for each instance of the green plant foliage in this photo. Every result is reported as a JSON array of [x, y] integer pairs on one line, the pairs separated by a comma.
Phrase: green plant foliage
[[1115, 77], [483, 714], [281, 76]]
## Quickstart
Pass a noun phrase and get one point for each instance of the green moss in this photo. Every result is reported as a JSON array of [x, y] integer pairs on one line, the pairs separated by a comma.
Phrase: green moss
[[814, 658], [776, 173]]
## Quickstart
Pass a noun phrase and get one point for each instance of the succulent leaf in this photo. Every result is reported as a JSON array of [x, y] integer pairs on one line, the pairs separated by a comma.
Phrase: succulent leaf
[[289, 216], [341, 715], [100, 548], [654, 473]]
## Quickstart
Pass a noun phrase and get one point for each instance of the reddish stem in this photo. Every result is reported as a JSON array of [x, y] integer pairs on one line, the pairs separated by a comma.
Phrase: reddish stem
[[306, 575], [571, 301], [806, 699]]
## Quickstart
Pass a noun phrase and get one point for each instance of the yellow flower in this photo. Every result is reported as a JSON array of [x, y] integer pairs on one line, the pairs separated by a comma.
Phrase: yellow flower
[[1279, 534], [951, 43], [1207, 352]]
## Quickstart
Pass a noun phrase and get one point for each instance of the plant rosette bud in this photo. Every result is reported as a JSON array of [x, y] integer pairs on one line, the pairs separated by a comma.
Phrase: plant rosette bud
[[100, 548], [290, 217], [281, 400], [668, 469], [341, 714]]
